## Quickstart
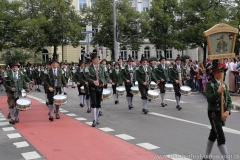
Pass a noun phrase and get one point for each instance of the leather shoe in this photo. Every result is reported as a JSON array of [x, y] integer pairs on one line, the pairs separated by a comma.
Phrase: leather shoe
[[57, 116], [97, 122], [94, 123], [88, 110], [146, 111], [9, 116], [81, 105], [179, 107], [130, 107], [100, 113], [116, 102], [16, 120], [12, 121], [50, 118], [65, 93]]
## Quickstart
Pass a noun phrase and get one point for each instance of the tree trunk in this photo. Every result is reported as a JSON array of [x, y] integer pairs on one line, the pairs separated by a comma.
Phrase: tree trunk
[[204, 54], [113, 55], [54, 51]]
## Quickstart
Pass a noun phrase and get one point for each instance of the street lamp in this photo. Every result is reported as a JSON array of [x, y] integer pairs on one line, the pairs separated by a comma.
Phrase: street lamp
[[115, 32]]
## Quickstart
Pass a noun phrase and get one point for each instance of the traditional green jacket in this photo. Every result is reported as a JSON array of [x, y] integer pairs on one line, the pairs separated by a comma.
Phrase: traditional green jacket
[[9, 82], [37, 74], [78, 76], [126, 73], [66, 73], [24, 72], [141, 75], [116, 78], [162, 73], [173, 73], [91, 75], [49, 78], [213, 97]]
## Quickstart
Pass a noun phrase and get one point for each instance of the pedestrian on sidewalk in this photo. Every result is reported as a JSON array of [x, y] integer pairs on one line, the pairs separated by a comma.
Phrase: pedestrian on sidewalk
[[214, 89]]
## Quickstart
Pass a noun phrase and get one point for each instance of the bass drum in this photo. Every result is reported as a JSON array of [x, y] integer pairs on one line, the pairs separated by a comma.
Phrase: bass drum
[[153, 95], [185, 90], [60, 99], [23, 104], [106, 94]]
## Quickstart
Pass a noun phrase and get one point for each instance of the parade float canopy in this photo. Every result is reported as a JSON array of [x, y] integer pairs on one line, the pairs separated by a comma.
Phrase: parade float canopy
[[221, 40]]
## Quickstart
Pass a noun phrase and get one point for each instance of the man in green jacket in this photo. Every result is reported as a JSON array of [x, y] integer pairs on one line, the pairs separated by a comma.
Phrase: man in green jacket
[[214, 88], [96, 78], [53, 79], [177, 81], [144, 76], [162, 74], [14, 82], [67, 74]]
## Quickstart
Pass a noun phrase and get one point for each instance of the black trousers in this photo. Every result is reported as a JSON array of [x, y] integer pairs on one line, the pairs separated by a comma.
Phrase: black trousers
[[114, 89], [105, 86], [37, 81], [86, 88], [128, 89], [143, 90], [216, 131], [96, 96], [161, 86], [58, 90], [79, 90], [50, 96], [176, 88]]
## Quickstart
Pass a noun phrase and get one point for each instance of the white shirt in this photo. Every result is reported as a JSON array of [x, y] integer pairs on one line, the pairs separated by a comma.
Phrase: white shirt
[[54, 71], [218, 82], [15, 73], [130, 68]]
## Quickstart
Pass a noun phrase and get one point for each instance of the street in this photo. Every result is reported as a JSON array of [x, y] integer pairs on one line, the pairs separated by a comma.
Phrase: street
[[165, 131]]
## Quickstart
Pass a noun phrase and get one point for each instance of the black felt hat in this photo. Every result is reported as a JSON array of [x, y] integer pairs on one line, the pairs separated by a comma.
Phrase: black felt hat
[[178, 58], [54, 59], [14, 63], [130, 59], [93, 56], [143, 58], [161, 57]]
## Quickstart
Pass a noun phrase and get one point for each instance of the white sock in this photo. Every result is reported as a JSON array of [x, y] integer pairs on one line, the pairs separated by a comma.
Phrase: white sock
[[178, 100], [98, 110], [116, 96], [81, 99], [223, 149], [16, 113], [209, 149], [88, 103], [12, 111], [162, 96], [46, 97], [36, 87], [144, 102], [129, 100], [64, 90], [94, 112]]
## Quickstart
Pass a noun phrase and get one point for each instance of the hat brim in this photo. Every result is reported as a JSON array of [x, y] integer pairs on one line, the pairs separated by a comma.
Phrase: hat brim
[[178, 59]]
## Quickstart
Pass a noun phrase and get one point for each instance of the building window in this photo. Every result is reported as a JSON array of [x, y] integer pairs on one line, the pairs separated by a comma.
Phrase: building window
[[147, 52], [158, 53], [81, 4], [134, 8], [169, 54], [135, 55], [145, 9], [124, 55]]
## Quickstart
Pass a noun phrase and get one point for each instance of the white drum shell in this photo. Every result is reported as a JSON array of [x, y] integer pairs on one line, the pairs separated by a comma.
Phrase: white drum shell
[[135, 90], [185, 90], [60, 99], [153, 95], [169, 87], [106, 94], [23, 104], [120, 90], [82, 89]]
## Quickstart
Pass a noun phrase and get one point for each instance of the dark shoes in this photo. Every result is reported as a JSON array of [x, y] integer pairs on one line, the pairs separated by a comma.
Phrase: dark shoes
[[50, 118], [81, 105], [17, 120], [149, 100], [97, 122], [179, 107], [163, 105], [94, 123], [130, 107], [65, 93], [145, 111], [88, 110], [57, 116], [12, 121], [9, 116], [100, 113], [117, 101]]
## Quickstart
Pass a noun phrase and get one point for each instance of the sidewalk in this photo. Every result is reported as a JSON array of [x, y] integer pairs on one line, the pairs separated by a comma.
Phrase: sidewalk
[[70, 139], [236, 101]]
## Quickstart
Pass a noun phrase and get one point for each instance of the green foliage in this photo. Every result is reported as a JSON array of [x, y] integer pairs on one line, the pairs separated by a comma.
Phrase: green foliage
[[19, 55], [184, 57], [153, 59]]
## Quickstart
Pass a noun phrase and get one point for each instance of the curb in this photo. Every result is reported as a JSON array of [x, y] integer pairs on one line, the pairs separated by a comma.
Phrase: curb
[[236, 105]]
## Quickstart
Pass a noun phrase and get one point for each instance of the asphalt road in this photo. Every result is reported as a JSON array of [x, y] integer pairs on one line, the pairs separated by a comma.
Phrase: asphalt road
[[182, 132]]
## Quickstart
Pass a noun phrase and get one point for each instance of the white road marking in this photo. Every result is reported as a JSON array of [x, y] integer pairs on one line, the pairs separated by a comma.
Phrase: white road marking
[[21, 144], [8, 129], [234, 111], [81, 119], [14, 135], [89, 123], [31, 155], [148, 146], [3, 119], [174, 100], [176, 157], [124, 136], [2, 116], [63, 111], [106, 129], [4, 123], [226, 129], [71, 114]]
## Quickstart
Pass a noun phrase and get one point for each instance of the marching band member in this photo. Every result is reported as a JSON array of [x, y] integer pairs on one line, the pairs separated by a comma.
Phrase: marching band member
[[174, 74], [14, 82], [67, 74], [104, 63], [162, 75], [214, 89], [47, 67], [117, 80], [78, 80], [96, 78], [73, 71], [29, 71], [53, 79], [86, 87], [144, 76], [37, 77], [120, 62], [129, 78]]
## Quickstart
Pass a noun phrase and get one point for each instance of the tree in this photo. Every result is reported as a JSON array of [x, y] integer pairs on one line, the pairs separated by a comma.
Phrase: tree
[[49, 23], [199, 16], [162, 21], [131, 25]]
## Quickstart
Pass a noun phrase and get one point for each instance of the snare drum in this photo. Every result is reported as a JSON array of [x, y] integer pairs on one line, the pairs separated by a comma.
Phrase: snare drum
[[153, 85], [136, 83], [60, 99], [135, 90], [23, 104], [168, 87], [185, 90], [153, 95], [106, 94], [82, 89], [120, 90]]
